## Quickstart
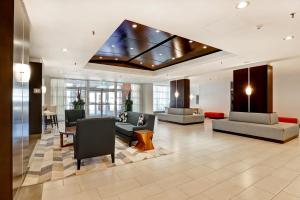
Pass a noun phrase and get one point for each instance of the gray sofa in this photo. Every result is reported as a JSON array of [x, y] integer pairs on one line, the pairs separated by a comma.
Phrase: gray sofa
[[182, 116], [94, 137], [126, 130], [257, 125]]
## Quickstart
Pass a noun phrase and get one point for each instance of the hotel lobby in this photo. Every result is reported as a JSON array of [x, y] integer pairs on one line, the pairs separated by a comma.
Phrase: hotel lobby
[[179, 100]]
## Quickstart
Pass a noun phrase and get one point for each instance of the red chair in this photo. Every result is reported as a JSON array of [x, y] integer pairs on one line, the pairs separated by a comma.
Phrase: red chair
[[288, 120], [214, 115]]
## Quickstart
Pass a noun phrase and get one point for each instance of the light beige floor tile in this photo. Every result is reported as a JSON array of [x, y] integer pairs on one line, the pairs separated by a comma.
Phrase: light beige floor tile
[[285, 196], [173, 181], [140, 192], [198, 172], [272, 184], [220, 175], [223, 191], [252, 193], [61, 192], [117, 187], [172, 194], [294, 188], [197, 186]]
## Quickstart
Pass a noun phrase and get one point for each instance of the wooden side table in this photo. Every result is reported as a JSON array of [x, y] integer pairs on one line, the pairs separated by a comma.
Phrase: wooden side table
[[144, 138], [68, 131]]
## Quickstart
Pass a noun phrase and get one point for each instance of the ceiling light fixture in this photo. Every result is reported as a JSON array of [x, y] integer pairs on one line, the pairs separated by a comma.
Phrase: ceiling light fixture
[[134, 25], [116, 58], [289, 37], [152, 65], [242, 4], [190, 41], [173, 58], [131, 48], [113, 46], [100, 57], [157, 31], [64, 50], [141, 63], [160, 54], [204, 47]]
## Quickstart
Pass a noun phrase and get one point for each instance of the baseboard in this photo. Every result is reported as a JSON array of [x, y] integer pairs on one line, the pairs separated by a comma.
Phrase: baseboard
[[256, 137], [181, 123]]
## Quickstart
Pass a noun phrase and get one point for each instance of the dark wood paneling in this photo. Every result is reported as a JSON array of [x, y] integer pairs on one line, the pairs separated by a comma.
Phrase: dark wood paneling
[[240, 82], [183, 88], [261, 80], [35, 99], [6, 88], [261, 100], [146, 48]]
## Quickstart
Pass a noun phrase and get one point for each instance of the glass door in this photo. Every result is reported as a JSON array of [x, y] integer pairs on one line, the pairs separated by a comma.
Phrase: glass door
[[101, 103], [94, 106]]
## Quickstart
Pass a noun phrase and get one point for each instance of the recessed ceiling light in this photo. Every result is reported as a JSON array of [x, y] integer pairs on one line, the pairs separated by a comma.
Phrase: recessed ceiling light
[[152, 65], [157, 31], [134, 25], [242, 4], [141, 63], [100, 57], [289, 37], [113, 46], [160, 54], [116, 58], [204, 47], [131, 48], [190, 41], [173, 58], [64, 50]]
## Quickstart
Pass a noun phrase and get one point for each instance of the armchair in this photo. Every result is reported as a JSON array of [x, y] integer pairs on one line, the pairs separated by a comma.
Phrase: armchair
[[71, 117], [94, 137]]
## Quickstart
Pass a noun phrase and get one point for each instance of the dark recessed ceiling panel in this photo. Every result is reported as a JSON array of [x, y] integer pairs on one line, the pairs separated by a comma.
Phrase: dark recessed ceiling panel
[[138, 46]]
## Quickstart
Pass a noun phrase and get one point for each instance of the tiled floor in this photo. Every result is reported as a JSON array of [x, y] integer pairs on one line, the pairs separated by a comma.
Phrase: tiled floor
[[204, 166]]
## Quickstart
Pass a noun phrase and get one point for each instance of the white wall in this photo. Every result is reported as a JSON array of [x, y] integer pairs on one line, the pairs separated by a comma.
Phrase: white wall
[[214, 89]]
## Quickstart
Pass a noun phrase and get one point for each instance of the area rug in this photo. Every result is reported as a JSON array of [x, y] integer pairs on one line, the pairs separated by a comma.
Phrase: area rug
[[51, 162]]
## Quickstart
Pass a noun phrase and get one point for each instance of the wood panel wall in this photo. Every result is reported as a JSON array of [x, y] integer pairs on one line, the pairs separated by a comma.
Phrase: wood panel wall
[[261, 80], [6, 88], [183, 88], [35, 103]]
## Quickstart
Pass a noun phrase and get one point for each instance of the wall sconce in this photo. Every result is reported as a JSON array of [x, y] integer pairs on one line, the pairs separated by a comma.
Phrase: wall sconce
[[191, 96], [248, 90], [22, 72], [44, 89], [176, 94]]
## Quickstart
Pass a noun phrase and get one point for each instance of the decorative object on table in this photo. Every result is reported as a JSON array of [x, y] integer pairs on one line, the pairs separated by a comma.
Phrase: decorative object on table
[[144, 138], [123, 117], [140, 120], [78, 103], [128, 102]]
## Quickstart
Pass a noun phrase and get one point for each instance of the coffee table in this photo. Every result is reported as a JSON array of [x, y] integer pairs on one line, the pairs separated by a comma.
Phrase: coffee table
[[144, 138], [68, 131]]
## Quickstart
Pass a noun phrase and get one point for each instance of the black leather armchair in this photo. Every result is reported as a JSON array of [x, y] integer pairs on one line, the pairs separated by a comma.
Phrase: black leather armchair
[[71, 117], [94, 137]]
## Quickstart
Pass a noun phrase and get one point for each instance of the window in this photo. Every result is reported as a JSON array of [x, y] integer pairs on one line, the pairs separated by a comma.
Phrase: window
[[161, 97], [102, 98], [135, 97]]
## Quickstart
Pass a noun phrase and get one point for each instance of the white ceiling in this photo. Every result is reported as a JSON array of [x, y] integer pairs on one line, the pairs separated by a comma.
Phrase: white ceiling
[[58, 24]]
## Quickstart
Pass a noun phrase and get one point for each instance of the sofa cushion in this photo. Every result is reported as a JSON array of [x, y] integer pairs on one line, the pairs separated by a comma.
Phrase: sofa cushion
[[124, 128], [258, 118], [180, 111]]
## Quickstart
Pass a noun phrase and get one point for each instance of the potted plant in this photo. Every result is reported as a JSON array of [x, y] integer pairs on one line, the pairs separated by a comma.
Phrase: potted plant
[[78, 104], [128, 102]]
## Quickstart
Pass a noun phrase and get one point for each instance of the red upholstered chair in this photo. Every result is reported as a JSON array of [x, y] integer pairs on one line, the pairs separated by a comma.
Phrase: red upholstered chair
[[288, 120], [214, 115]]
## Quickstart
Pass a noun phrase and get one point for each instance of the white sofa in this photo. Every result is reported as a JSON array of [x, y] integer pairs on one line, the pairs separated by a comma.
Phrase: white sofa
[[257, 125], [181, 116]]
